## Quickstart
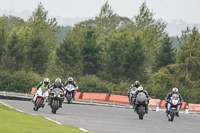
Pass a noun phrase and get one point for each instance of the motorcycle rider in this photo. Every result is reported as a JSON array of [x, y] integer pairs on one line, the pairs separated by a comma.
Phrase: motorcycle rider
[[57, 84], [45, 83], [167, 99], [139, 90], [72, 82], [133, 87]]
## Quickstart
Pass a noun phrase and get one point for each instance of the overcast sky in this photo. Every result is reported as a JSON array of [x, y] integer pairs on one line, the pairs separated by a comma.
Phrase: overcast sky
[[168, 10]]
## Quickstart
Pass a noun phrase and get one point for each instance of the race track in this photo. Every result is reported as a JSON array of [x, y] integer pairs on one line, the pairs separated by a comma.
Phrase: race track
[[98, 119]]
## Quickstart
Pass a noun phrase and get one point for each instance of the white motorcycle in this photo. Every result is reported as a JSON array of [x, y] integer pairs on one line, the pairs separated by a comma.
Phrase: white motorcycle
[[40, 98], [132, 95]]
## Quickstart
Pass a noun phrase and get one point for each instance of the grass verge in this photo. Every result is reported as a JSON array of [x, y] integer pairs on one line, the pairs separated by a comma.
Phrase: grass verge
[[198, 113], [12, 121]]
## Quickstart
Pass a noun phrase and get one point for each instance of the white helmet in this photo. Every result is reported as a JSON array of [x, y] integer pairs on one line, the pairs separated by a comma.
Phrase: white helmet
[[70, 79], [140, 88], [58, 80], [46, 81], [175, 90]]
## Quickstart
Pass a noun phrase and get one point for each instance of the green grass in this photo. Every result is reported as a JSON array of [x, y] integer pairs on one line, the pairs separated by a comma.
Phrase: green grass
[[12, 121], [198, 113]]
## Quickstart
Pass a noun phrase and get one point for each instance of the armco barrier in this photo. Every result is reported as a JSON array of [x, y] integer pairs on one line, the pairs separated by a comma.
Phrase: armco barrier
[[78, 95], [194, 107], [153, 102], [33, 90], [183, 106], [119, 99], [96, 96], [162, 104]]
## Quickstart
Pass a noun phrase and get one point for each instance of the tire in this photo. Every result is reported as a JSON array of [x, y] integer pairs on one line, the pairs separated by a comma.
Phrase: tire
[[37, 106], [54, 106], [172, 115], [141, 112], [69, 98]]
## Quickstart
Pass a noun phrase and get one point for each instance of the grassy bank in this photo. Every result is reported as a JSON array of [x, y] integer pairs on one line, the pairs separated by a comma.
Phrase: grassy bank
[[12, 121]]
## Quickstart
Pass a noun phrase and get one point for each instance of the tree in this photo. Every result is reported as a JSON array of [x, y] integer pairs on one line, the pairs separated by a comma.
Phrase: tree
[[122, 56], [4, 32], [166, 54], [150, 32], [68, 55], [43, 40], [189, 59], [91, 52], [13, 56]]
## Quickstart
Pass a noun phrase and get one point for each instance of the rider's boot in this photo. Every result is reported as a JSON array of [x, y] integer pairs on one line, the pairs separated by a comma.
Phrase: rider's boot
[[167, 112], [177, 114], [146, 110]]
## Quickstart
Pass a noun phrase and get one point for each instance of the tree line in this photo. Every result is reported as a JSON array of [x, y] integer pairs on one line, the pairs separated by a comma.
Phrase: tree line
[[104, 54]]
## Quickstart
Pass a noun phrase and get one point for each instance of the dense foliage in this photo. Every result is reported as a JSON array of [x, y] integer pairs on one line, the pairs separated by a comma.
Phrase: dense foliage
[[103, 54]]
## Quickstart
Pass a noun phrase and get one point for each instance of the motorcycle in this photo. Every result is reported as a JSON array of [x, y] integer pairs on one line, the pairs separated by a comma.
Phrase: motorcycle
[[69, 93], [132, 95], [174, 102], [56, 96], [40, 98], [141, 104]]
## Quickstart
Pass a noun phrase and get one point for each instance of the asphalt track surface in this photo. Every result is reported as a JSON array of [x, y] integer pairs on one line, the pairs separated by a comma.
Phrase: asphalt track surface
[[98, 119]]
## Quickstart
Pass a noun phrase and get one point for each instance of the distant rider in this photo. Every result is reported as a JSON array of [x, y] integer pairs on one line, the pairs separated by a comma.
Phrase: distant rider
[[133, 87], [167, 99], [43, 84], [72, 82], [57, 84], [139, 90]]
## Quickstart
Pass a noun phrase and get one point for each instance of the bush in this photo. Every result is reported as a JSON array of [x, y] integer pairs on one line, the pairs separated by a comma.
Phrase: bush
[[91, 83], [5, 80], [23, 81]]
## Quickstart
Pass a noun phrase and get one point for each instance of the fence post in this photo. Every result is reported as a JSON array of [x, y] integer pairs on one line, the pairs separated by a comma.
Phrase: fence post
[[157, 107], [186, 109]]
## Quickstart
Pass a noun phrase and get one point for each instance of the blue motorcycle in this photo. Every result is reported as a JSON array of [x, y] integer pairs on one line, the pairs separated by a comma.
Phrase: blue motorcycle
[[69, 93], [174, 102]]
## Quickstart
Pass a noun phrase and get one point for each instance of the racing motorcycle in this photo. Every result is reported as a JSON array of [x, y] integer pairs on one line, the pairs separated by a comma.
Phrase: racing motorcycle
[[174, 102], [141, 104], [56, 96], [40, 98], [69, 93], [132, 95]]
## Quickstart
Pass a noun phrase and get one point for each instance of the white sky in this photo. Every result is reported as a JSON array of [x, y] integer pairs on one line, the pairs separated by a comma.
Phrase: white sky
[[167, 10]]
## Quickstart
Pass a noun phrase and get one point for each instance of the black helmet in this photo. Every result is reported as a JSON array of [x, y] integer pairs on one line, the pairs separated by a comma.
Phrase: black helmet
[[137, 84]]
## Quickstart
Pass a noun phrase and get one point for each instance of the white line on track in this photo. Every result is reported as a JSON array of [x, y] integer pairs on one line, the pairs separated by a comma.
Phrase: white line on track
[[53, 120], [83, 129], [19, 110], [6, 105]]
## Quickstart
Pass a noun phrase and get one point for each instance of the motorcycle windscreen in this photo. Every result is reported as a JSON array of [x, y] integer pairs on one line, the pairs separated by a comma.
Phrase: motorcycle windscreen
[[141, 97], [70, 87], [175, 96], [43, 90]]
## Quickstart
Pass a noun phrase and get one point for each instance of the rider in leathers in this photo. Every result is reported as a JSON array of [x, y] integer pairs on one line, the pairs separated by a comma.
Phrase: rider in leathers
[[70, 81], [57, 84], [42, 84], [168, 105], [133, 87], [139, 90]]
